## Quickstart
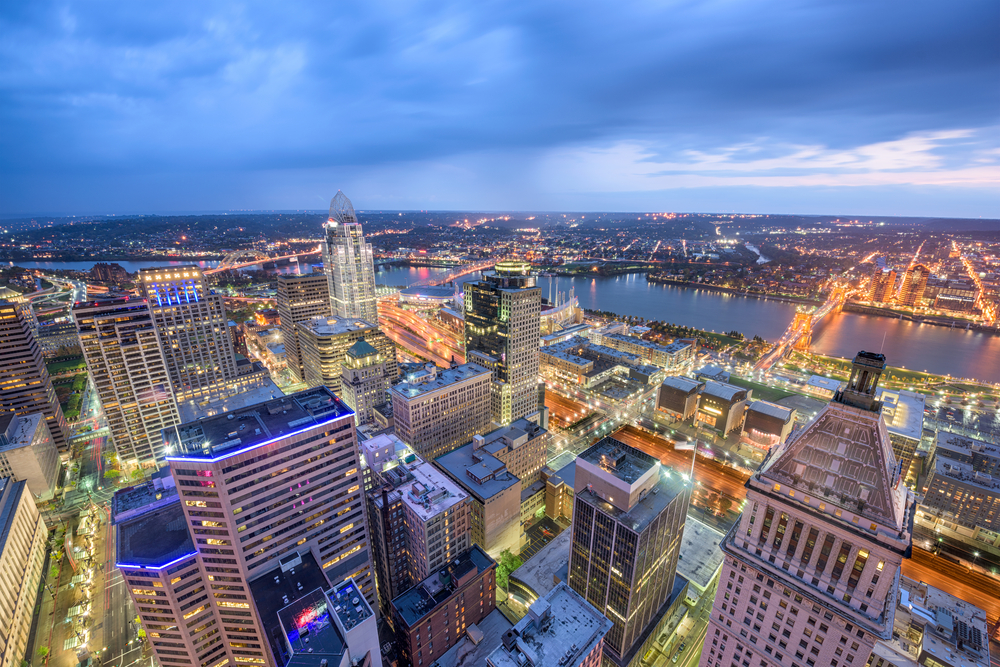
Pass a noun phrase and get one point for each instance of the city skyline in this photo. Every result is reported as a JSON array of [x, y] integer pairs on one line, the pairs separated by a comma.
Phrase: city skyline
[[823, 107]]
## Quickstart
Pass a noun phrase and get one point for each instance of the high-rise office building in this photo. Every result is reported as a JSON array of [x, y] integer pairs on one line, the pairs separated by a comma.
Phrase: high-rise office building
[[363, 383], [28, 453], [502, 331], [628, 520], [324, 342], [300, 298], [811, 571], [193, 329], [420, 520], [286, 477], [126, 363], [22, 557], [25, 386], [348, 263], [438, 410], [914, 284], [882, 288]]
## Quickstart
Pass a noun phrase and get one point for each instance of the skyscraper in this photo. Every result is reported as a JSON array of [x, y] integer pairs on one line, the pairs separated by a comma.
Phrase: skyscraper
[[882, 288], [811, 572], [300, 298], [278, 477], [125, 359], [25, 386], [348, 263], [914, 284], [628, 521], [22, 559], [502, 330], [193, 329], [323, 344], [363, 383]]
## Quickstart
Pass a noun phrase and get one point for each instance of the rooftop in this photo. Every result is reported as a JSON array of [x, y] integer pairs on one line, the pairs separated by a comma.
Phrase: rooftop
[[772, 410], [903, 412], [18, 431], [427, 293], [130, 502], [953, 443], [362, 348], [560, 629], [426, 382], [238, 430], [426, 491], [700, 555], [673, 348], [191, 410], [626, 463], [723, 390], [539, 573], [477, 471], [469, 653], [824, 383], [963, 472], [332, 326], [682, 383], [426, 596], [153, 539]]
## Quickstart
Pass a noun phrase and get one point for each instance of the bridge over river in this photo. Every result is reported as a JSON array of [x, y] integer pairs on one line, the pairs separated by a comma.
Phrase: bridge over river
[[799, 332]]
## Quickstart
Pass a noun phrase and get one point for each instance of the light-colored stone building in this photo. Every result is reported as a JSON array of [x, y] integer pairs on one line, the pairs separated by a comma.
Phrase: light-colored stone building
[[22, 557], [324, 342], [300, 297], [28, 453], [438, 410], [363, 381]]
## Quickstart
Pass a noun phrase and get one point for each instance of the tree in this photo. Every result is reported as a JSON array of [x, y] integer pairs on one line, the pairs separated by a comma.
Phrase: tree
[[725, 504], [42, 652], [111, 475], [508, 563]]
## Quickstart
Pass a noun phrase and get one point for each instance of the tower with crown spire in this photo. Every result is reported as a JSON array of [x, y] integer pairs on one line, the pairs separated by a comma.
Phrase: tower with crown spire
[[349, 263], [811, 571]]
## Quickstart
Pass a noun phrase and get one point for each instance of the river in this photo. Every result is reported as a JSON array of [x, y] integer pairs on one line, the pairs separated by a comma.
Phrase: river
[[922, 347]]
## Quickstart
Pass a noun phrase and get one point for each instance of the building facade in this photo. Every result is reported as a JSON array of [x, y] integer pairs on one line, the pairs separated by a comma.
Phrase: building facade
[[25, 386], [628, 521], [22, 556], [193, 329], [914, 283], [677, 397], [300, 298], [722, 406], [502, 332], [442, 409], [348, 263], [811, 572], [125, 359], [324, 342]]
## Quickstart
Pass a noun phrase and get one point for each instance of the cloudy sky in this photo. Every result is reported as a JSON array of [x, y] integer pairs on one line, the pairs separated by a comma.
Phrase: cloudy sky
[[883, 107]]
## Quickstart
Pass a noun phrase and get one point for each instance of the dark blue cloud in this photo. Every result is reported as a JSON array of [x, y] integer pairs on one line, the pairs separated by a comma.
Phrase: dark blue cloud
[[119, 105]]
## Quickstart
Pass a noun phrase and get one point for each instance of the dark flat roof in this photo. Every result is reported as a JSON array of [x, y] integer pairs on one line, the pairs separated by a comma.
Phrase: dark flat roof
[[153, 539], [430, 593], [230, 432]]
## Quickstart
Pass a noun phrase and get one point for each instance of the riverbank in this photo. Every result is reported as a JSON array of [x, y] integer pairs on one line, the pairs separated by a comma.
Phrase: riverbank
[[106, 258], [951, 323], [732, 290]]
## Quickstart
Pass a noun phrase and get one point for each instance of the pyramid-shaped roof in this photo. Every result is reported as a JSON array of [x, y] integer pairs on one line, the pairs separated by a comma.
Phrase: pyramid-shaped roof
[[843, 456], [361, 349]]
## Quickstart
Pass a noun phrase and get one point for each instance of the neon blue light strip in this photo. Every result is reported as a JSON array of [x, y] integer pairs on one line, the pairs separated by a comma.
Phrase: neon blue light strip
[[259, 444], [156, 567]]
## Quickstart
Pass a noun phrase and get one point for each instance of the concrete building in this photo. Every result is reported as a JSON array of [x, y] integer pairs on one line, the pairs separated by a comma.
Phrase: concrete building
[[363, 381], [28, 453], [933, 629], [22, 556], [768, 424], [502, 331], [495, 494], [522, 447], [128, 369], [671, 357], [324, 342], [914, 283], [559, 492], [627, 526], [437, 410], [721, 406], [811, 570], [882, 288], [981, 456], [52, 336], [282, 476], [348, 263], [677, 397], [25, 386], [432, 616], [560, 629], [420, 519], [193, 330], [299, 298], [903, 412], [956, 492], [700, 561]]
